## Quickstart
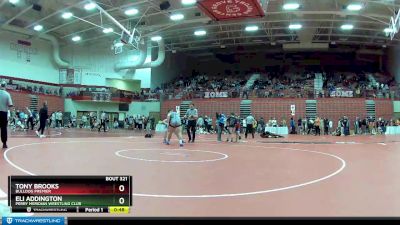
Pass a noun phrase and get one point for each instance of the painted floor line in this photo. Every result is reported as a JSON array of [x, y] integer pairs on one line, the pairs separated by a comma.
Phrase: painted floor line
[[2, 194]]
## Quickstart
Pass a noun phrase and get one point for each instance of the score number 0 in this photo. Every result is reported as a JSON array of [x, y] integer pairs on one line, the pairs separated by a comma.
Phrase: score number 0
[[121, 188]]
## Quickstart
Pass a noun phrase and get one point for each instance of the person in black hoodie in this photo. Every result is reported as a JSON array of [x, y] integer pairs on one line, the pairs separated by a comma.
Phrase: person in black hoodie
[[326, 126], [43, 116]]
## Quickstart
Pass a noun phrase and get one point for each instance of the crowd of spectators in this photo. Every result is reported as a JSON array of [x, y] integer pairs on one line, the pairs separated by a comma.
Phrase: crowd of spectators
[[34, 88], [131, 122], [96, 93], [267, 85], [274, 85]]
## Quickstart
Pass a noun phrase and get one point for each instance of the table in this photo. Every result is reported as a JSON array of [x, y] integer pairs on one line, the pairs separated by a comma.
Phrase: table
[[278, 130], [391, 130]]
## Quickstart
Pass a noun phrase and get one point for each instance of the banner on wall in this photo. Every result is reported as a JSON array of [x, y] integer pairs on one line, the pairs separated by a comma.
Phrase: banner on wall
[[62, 76], [78, 76], [231, 9], [70, 76], [215, 94], [23, 48], [292, 110], [346, 94]]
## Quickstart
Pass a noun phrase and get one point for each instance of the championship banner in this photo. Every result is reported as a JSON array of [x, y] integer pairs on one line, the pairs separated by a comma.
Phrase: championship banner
[[347, 94], [215, 94], [70, 76], [231, 9]]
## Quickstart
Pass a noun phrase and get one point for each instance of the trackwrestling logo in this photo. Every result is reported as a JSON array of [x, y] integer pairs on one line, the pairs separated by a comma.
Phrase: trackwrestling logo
[[33, 220]]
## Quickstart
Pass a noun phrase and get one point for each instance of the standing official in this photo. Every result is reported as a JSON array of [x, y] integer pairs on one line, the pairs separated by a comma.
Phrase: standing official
[[103, 121], [5, 103], [43, 116], [191, 115], [249, 125]]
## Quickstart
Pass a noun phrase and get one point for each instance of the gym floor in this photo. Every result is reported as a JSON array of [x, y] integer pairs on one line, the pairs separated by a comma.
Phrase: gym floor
[[292, 176]]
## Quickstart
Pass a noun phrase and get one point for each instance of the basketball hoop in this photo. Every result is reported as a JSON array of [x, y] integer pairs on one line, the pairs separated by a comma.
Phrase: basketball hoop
[[133, 39]]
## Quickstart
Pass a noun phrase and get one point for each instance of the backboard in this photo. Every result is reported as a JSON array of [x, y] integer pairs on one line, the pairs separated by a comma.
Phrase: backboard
[[132, 39]]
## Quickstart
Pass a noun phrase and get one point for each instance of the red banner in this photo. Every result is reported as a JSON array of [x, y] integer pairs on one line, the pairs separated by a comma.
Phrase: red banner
[[231, 9]]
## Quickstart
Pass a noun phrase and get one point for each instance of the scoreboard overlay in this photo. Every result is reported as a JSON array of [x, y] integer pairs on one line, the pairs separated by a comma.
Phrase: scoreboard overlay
[[70, 194]]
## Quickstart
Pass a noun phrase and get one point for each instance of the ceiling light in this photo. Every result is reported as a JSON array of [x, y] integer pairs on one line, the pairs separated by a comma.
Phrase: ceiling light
[[131, 12], [38, 27], [76, 38], [188, 2], [251, 28], [176, 17], [347, 27], [354, 7], [291, 6], [295, 26], [90, 6], [108, 30], [388, 30], [67, 15], [13, 1], [156, 38], [200, 32]]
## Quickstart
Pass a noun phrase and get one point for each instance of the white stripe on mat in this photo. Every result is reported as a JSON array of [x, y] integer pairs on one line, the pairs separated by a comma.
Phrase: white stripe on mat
[[2, 194]]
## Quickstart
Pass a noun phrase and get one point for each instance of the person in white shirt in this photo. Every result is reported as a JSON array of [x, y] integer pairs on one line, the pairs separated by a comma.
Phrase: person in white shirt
[[84, 121], [166, 124], [5, 104], [200, 124], [116, 124], [274, 122], [73, 121], [249, 126], [103, 118], [140, 122], [52, 119], [244, 124], [59, 122]]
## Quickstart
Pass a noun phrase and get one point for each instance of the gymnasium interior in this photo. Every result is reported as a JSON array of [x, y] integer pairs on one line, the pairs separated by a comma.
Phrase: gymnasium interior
[[312, 88]]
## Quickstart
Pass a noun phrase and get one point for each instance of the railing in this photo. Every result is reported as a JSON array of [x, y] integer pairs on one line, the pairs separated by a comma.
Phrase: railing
[[393, 93], [113, 97]]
